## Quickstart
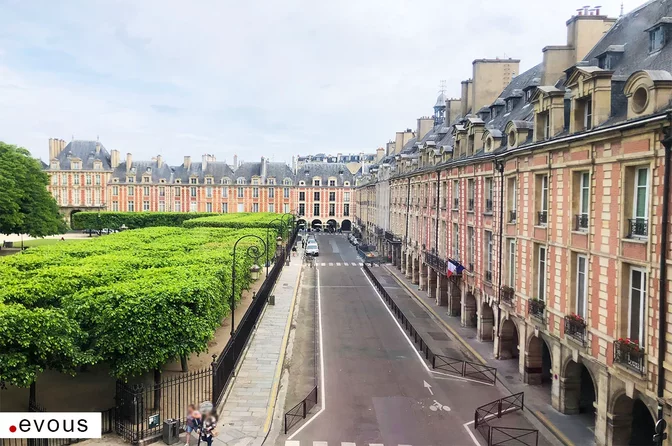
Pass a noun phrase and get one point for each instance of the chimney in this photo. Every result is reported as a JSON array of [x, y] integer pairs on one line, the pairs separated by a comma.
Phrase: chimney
[[114, 158], [187, 162], [583, 32], [51, 149], [235, 162], [425, 124], [159, 161], [465, 97], [490, 77], [390, 148], [204, 161], [97, 148], [129, 161], [380, 154], [453, 109], [263, 169]]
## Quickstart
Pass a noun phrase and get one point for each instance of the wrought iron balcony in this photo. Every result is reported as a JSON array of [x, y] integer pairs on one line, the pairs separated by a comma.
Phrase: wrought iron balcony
[[575, 327], [390, 237], [629, 354], [488, 276], [535, 308], [436, 262], [542, 218], [512, 216], [639, 227], [488, 206], [581, 222], [470, 206], [508, 295], [456, 203]]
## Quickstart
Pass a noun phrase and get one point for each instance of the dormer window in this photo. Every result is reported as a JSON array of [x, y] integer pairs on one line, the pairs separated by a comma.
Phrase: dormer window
[[193, 180], [146, 179], [130, 179], [271, 181], [178, 181], [512, 138], [208, 181], [316, 182], [302, 183], [76, 165], [255, 181], [97, 165], [493, 112], [240, 180], [509, 105], [55, 165], [588, 114], [287, 182], [656, 39], [604, 62]]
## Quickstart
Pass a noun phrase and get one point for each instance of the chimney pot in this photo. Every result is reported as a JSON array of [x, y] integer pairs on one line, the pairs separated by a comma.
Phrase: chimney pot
[[187, 162], [129, 161], [159, 161]]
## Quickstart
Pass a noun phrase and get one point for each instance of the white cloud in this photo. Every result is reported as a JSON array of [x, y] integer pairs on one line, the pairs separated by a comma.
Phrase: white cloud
[[256, 78]]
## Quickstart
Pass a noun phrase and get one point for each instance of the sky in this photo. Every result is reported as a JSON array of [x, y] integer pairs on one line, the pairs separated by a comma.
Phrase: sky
[[253, 78]]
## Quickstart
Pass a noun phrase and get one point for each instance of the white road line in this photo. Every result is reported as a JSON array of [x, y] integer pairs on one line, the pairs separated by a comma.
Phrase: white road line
[[354, 264], [361, 264], [471, 434], [292, 443], [338, 264], [331, 264], [322, 382], [347, 443], [376, 444], [403, 332], [324, 264], [320, 443]]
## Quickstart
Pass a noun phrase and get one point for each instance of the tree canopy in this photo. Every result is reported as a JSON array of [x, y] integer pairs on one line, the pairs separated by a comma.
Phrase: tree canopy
[[26, 207]]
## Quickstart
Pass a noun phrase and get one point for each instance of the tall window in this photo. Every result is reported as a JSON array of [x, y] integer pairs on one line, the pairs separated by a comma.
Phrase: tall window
[[488, 256], [285, 192], [87, 196], [225, 208], [346, 210], [332, 196], [255, 192], [584, 201], [271, 192], [162, 191], [636, 306], [97, 179], [488, 194], [512, 199], [208, 207], [177, 191], [316, 196], [145, 191], [131, 191], [542, 204], [456, 194], [286, 208], [225, 192], [255, 207], [512, 263], [456, 242], [208, 192], [271, 207], [145, 205], [581, 285], [131, 206], [115, 190], [162, 206], [541, 274], [588, 114], [302, 209], [193, 192], [115, 206], [470, 194], [241, 207], [178, 206], [193, 207], [75, 179], [240, 192], [316, 209], [656, 39], [346, 196], [640, 203], [302, 196], [471, 247], [332, 209]]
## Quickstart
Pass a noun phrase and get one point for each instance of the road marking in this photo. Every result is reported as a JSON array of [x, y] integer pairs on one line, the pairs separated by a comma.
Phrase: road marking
[[322, 382], [361, 264], [403, 332], [292, 443], [320, 443], [428, 386], [324, 264], [331, 264], [338, 264], [468, 423], [354, 264], [347, 443]]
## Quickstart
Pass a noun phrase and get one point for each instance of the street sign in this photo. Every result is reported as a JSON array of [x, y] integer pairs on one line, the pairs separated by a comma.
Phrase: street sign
[[153, 421]]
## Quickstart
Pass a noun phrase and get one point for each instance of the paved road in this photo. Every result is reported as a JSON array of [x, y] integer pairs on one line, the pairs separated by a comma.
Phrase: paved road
[[373, 378]]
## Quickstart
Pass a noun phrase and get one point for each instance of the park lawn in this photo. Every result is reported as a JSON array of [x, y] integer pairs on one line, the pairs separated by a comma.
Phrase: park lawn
[[46, 241]]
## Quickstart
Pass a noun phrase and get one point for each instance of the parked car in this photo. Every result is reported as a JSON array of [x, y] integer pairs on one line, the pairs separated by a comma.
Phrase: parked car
[[312, 249]]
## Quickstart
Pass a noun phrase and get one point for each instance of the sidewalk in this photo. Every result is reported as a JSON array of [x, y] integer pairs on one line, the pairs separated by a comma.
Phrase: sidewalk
[[245, 414], [569, 429]]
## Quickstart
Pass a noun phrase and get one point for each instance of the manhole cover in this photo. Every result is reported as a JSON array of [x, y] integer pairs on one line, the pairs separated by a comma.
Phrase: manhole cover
[[438, 336]]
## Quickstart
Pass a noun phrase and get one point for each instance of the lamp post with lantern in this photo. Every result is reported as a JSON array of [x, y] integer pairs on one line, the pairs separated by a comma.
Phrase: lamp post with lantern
[[254, 253]]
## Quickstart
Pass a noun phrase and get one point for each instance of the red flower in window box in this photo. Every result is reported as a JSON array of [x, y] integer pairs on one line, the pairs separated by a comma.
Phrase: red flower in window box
[[576, 318]]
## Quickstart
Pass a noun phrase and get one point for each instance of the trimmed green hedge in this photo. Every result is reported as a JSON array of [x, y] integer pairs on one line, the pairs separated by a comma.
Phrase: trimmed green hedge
[[132, 220], [133, 300], [238, 220]]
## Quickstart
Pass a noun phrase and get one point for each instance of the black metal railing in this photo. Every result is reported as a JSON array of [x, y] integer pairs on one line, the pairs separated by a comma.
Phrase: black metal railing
[[456, 203], [512, 216], [581, 222], [535, 308], [542, 218], [488, 205], [458, 367], [508, 295], [437, 263], [576, 328], [470, 204], [390, 237], [629, 354], [639, 227], [301, 410], [488, 276], [501, 435], [167, 398]]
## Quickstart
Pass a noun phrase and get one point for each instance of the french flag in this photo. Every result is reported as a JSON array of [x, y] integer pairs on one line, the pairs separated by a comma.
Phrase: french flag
[[453, 268]]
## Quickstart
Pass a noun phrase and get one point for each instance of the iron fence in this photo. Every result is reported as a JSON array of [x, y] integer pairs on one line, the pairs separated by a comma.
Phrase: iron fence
[[501, 435], [301, 410], [512, 216], [580, 222], [535, 308], [639, 227], [542, 218], [506, 436], [630, 355], [508, 295], [575, 328]]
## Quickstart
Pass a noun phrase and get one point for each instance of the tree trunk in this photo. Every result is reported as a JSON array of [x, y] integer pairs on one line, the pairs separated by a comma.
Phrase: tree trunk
[[157, 389], [183, 361]]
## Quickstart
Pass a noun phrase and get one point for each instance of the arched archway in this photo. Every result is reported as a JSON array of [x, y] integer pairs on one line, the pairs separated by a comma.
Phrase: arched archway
[[538, 362], [346, 225], [632, 423], [508, 340], [578, 393], [469, 316], [487, 322], [332, 224], [301, 224], [69, 216], [316, 224]]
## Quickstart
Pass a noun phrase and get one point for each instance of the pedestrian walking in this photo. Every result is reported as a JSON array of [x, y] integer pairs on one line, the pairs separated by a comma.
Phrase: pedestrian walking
[[193, 422], [209, 429]]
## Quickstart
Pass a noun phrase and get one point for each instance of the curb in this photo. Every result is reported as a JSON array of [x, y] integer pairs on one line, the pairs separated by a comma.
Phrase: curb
[[462, 341], [551, 427], [281, 358]]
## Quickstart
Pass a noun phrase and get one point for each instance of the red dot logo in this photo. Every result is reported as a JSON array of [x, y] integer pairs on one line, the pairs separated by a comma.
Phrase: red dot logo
[[12, 429]]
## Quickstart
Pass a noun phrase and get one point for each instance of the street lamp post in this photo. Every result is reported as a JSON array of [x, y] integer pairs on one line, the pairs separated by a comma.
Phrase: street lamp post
[[282, 228], [254, 253]]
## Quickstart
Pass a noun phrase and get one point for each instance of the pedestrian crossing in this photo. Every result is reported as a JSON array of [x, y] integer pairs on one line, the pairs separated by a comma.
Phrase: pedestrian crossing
[[325, 443], [341, 264]]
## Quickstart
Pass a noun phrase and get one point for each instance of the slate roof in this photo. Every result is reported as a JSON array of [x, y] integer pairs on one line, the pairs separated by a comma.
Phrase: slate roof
[[325, 170], [86, 151], [276, 170], [141, 168], [629, 32], [215, 169]]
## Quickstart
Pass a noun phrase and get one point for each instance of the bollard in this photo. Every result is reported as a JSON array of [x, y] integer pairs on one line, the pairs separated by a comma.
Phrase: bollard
[[271, 299]]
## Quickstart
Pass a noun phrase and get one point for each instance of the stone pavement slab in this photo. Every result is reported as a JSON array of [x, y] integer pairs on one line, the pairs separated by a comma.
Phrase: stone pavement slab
[[245, 413]]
